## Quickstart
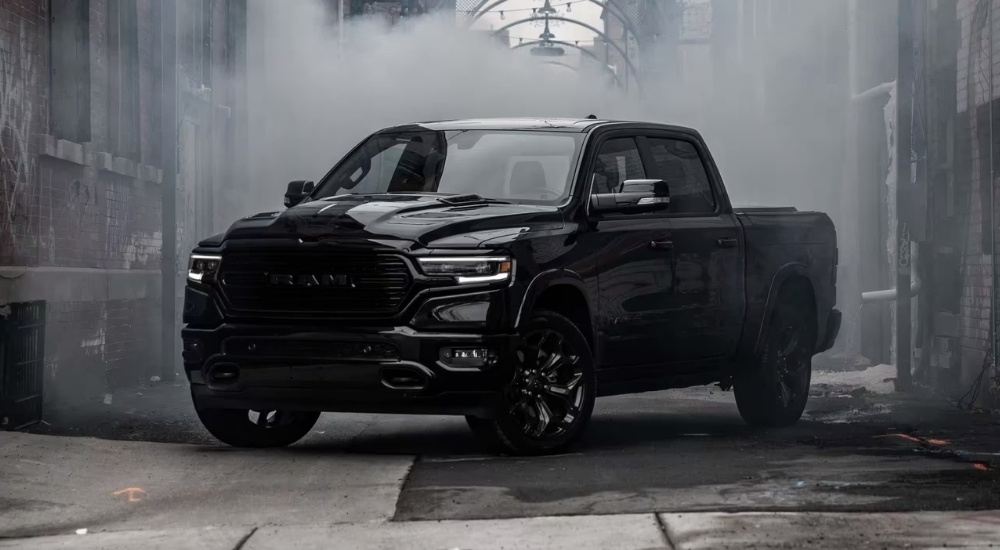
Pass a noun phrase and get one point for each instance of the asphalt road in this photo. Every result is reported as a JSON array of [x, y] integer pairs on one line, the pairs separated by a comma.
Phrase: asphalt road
[[676, 451]]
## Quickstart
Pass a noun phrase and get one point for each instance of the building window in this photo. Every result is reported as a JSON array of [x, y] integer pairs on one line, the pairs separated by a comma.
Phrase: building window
[[69, 66], [123, 79]]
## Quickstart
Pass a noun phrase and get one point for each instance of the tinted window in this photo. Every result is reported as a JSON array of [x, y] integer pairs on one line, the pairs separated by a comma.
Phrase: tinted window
[[618, 160], [531, 167], [678, 163]]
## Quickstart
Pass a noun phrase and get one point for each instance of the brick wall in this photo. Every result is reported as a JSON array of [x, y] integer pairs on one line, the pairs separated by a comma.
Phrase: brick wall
[[976, 77], [23, 112], [80, 227]]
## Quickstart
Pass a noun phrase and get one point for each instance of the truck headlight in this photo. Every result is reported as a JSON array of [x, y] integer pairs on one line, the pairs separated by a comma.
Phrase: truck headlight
[[469, 269], [200, 265]]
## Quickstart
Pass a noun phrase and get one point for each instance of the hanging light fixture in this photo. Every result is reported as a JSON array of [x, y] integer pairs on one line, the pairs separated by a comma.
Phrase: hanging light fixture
[[547, 48], [547, 9]]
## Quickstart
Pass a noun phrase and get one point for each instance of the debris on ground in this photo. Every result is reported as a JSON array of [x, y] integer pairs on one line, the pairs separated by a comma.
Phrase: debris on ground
[[916, 440], [877, 380]]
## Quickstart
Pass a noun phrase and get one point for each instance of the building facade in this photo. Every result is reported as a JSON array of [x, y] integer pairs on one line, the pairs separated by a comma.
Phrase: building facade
[[960, 109], [121, 133]]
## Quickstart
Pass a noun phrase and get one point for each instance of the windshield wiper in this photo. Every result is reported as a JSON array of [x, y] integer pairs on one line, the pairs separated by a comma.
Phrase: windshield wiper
[[471, 198]]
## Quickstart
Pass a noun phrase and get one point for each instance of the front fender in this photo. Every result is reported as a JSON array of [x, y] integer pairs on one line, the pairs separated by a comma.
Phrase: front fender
[[546, 280]]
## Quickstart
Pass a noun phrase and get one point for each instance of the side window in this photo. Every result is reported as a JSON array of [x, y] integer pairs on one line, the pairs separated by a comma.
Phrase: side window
[[618, 160], [678, 163], [379, 174]]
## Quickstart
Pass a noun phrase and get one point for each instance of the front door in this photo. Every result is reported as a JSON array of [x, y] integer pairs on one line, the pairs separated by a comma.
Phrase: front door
[[706, 307], [634, 266]]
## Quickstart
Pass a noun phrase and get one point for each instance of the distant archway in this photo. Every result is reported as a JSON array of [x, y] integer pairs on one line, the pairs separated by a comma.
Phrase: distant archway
[[582, 50], [624, 54], [612, 6]]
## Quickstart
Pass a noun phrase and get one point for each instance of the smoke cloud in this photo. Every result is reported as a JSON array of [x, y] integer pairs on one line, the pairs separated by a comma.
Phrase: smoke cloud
[[317, 100]]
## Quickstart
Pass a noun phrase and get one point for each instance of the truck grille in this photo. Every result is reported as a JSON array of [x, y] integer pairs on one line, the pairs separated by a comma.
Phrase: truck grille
[[321, 284]]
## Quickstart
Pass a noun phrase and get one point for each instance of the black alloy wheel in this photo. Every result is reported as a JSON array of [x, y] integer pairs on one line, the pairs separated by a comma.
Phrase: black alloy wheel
[[249, 428], [774, 392], [550, 398]]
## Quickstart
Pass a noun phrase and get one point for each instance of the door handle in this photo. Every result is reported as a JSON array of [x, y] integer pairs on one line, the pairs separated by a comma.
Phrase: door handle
[[727, 243], [662, 245]]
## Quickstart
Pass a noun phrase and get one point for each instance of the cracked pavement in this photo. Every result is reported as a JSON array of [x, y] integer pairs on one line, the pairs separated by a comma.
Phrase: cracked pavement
[[141, 470]]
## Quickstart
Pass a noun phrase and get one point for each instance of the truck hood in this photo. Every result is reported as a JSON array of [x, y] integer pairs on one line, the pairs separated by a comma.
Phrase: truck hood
[[419, 219]]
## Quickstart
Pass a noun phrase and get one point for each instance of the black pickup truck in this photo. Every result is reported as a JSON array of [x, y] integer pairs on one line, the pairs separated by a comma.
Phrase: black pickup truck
[[511, 271]]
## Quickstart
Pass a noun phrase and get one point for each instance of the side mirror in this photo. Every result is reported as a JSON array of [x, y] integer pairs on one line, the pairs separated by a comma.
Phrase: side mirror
[[634, 196], [297, 192]]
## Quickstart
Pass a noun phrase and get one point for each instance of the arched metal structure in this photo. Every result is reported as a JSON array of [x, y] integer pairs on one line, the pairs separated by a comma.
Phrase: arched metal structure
[[612, 6], [628, 62], [582, 50]]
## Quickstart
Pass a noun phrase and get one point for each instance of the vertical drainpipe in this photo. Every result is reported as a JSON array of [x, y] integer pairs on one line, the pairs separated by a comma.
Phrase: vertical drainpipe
[[994, 276], [849, 196], [904, 188], [340, 24], [168, 205]]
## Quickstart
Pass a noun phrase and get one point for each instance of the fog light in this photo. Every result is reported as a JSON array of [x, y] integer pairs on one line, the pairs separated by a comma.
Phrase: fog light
[[192, 351], [467, 357]]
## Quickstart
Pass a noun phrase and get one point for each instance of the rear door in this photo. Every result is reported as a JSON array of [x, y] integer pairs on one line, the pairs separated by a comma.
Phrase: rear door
[[633, 263], [704, 316]]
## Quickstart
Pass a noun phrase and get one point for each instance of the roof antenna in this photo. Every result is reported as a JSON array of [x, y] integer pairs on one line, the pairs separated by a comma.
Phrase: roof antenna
[[591, 117]]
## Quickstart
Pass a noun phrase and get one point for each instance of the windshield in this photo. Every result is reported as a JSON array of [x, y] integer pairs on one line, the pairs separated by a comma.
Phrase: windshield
[[529, 167]]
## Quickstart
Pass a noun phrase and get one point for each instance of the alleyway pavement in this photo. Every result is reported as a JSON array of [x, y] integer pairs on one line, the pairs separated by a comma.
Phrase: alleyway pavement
[[677, 469]]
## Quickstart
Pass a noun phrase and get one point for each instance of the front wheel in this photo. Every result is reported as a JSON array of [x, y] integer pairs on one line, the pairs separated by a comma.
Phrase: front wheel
[[248, 428], [774, 391], [548, 403]]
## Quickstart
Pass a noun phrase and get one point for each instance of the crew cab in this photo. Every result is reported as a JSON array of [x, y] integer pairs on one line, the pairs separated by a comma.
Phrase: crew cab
[[511, 271]]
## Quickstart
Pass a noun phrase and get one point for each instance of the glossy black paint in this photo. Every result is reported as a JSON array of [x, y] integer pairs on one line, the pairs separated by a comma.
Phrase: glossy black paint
[[665, 299]]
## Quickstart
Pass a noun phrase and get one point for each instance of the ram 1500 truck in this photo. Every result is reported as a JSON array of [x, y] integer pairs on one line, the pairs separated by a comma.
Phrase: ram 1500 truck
[[510, 271]]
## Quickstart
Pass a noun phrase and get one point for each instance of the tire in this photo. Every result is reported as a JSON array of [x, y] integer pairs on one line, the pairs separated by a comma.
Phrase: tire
[[558, 381], [246, 428], [774, 391]]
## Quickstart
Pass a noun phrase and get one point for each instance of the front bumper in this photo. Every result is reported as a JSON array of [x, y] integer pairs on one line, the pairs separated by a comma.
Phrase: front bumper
[[395, 370]]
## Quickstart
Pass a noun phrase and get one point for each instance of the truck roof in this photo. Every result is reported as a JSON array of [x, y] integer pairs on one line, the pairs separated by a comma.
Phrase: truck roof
[[539, 124]]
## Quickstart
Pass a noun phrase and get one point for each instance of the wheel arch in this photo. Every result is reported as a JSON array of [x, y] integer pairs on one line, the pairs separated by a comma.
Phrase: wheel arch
[[564, 292], [788, 274]]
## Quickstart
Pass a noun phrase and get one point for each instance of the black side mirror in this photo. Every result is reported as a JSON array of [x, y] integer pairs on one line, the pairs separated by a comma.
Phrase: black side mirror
[[297, 192], [633, 196]]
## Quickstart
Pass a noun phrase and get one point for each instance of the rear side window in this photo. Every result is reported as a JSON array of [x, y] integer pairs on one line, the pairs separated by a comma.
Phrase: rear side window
[[678, 163], [617, 161]]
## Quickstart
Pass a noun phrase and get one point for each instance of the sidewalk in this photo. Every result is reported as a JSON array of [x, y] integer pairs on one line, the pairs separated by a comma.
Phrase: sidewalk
[[624, 532]]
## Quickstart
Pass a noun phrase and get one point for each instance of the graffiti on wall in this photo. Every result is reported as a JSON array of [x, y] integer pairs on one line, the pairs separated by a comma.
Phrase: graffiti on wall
[[18, 77]]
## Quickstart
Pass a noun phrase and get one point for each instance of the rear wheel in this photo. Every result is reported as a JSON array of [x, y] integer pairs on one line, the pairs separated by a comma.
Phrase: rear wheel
[[548, 403], [774, 391], [249, 428]]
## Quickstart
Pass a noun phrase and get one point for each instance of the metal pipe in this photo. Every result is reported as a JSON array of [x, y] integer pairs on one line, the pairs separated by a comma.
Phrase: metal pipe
[[340, 24], [848, 237], [904, 189], [890, 294], [872, 93], [993, 202]]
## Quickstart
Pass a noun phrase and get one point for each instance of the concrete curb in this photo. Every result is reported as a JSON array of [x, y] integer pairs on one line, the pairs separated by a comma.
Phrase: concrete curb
[[611, 532]]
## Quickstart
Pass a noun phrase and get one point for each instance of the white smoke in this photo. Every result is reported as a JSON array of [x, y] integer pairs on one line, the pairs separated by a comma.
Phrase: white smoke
[[312, 101], [320, 100]]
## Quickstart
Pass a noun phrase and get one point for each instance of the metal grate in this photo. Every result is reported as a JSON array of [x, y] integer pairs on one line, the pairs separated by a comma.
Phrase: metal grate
[[22, 353], [356, 285]]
